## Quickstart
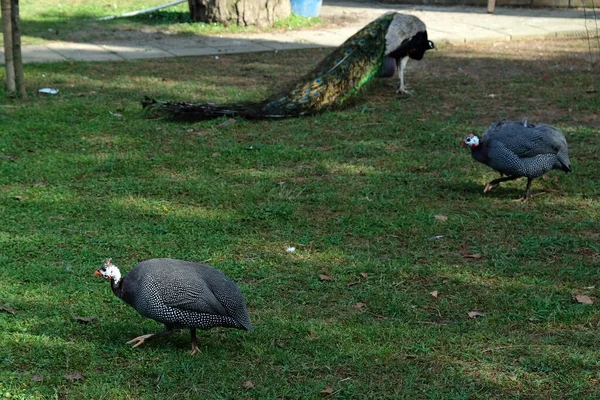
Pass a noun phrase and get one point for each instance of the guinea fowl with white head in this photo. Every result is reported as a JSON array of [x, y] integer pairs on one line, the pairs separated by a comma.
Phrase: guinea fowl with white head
[[179, 294], [519, 149]]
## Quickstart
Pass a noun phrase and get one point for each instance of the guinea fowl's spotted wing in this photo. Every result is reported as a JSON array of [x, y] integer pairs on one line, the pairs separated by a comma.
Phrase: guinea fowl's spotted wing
[[524, 142]]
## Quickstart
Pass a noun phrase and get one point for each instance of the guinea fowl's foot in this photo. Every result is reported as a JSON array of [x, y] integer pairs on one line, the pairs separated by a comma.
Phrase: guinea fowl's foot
[[195, 349], [139, 340], [488, 187]]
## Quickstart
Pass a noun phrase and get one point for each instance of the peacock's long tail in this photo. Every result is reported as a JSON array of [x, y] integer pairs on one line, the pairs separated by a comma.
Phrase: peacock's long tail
[[337, 78], [201, 111]]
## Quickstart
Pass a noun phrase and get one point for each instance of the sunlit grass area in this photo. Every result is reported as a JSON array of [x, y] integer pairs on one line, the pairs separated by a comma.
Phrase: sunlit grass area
[[76, 20], [379, 197]]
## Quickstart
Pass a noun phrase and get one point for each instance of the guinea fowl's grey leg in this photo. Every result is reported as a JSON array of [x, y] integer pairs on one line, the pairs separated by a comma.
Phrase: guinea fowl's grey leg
[[527, 193], [402, 88], [491, 184], [195, 348], [141, 339]]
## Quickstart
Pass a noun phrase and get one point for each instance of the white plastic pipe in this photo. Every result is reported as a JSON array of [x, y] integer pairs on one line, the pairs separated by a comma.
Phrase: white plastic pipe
[[146, 10]]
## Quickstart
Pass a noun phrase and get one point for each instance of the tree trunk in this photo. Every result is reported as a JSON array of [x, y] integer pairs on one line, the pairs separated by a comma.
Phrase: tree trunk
[[242, 12], [17, 58], [8, 53]]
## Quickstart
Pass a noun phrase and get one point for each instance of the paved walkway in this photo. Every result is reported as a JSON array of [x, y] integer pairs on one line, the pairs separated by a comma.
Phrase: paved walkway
[[455, 25]]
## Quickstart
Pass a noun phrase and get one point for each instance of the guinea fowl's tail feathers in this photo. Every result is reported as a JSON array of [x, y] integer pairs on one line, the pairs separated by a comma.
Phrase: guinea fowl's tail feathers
[[203, 111]]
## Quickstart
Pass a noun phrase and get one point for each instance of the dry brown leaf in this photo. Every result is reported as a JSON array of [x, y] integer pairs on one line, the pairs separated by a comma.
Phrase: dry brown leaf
[[281, 343], [583, 299], [230, 121], [440, 217], [20, 198], [363, 274], [248, 385], [8, 309], [84, 320], [475, 314], [216, 154], [327, 391], [475, 256], [324, 277], [358, 306], [74, 377], [37, 378], [353, 283], [434, 293]]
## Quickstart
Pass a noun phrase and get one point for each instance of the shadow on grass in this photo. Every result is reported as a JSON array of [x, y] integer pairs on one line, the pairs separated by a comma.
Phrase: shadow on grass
[[354, 191]]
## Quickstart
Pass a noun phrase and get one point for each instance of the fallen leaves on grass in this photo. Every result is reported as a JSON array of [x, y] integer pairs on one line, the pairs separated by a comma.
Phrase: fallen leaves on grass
[[327, 391], [325, 278], [476, 314], [440, 217], [19, 198], [248, 385], [8, 309], [475, 256], [354, 283], [437, 237], [37, 378], [583, 299], [358, 306], [434, 293], [84, 320], [74, 377]]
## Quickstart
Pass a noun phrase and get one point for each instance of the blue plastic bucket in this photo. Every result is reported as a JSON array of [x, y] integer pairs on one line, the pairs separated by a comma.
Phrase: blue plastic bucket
[[306, 8]]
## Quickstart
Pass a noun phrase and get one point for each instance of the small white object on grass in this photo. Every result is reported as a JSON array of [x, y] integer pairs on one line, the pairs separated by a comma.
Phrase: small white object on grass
[[290, 249], [48, 91]]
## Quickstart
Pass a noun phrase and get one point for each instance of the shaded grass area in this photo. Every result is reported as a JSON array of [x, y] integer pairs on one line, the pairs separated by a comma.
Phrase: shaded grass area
[[355, 191], [75, 20]]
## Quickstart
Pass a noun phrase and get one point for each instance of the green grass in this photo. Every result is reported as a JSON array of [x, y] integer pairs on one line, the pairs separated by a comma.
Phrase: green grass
[[354, 191], [75, 20]]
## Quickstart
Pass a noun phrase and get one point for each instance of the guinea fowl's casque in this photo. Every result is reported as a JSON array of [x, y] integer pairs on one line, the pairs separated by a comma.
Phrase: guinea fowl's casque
[[179, 294], [517, 149], [378, 49]]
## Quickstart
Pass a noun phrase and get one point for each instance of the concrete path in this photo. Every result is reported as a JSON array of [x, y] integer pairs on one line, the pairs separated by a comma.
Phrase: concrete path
[[455, 25]]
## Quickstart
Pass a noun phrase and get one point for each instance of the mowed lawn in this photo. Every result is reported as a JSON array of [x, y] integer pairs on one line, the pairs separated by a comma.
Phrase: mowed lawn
[[44, 21], [379, 197]]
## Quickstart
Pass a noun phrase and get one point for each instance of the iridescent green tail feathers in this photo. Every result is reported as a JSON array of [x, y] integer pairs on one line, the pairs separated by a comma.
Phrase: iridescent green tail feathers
[[336, 79]]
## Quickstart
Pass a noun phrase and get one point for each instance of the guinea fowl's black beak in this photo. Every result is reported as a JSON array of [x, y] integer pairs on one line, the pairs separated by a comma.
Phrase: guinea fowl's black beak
[[97, 273]]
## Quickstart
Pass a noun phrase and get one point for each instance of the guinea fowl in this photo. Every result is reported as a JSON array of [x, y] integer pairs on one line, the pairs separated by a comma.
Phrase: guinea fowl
[[518, 149], [379, 49], [179, 294]]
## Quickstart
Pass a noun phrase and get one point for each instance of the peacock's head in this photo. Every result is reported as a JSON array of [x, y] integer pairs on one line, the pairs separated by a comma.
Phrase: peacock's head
[[470, 141], [109, 271], [430, 44]]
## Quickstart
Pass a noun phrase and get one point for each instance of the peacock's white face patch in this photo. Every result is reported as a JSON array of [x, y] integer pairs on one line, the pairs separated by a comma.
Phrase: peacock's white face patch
[[109, 271], [431, 45], [471, 141]]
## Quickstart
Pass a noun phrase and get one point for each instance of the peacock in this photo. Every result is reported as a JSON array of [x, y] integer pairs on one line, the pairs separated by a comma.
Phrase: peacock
[[379, 49]]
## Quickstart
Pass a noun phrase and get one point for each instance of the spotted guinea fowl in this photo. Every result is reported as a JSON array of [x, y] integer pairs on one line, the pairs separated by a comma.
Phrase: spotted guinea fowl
[[179, 294], [379, 49], [517, 149]]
